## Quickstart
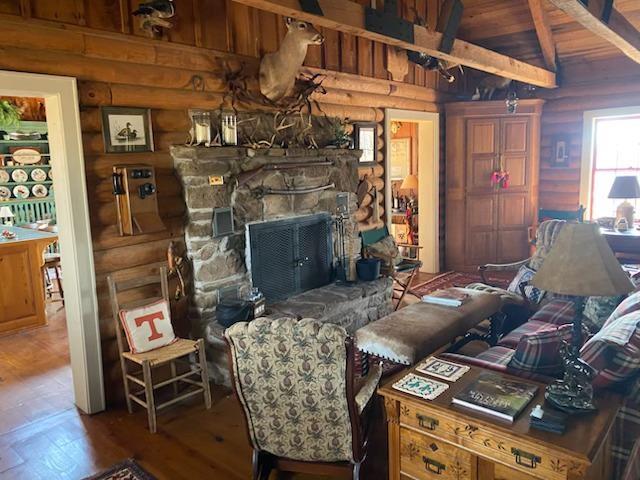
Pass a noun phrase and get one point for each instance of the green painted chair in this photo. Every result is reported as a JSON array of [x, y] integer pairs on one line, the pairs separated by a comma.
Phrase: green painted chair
[[567, 215], [401, 269]]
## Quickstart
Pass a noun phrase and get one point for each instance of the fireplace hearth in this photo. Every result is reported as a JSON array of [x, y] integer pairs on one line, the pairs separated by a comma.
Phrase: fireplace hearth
[[284, 244]]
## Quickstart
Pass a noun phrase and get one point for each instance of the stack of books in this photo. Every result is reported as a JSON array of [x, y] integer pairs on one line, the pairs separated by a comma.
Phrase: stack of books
[[496, 395], [449, 297]]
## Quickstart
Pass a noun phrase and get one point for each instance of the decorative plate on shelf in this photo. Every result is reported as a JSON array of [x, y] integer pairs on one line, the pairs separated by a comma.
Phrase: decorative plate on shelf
[[21, 191], [26, 156], [19, 175], [39, 191], [50, 173], [38, 175], [5, 193], [4, 176]]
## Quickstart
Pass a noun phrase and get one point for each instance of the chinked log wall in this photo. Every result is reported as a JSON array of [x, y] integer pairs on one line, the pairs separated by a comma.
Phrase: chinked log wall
[[101, 45], [588, 86]]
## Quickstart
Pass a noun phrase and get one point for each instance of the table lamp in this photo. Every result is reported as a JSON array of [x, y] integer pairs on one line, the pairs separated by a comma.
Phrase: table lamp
[[625, 187], [580, 264], [6, 215], [410, 183]]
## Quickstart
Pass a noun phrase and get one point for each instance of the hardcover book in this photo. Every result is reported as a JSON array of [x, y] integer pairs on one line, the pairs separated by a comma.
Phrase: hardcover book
[[496, 395], [449, 297]]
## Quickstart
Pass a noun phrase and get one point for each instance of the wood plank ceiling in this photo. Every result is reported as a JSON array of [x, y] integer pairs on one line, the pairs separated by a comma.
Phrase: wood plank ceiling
[[506, 26]]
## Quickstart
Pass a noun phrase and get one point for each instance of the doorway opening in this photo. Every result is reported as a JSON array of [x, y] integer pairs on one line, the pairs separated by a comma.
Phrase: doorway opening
[[412, 175], [48, 289]]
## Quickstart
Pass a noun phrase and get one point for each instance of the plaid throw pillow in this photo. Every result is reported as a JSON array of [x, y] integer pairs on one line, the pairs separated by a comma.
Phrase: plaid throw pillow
[[540, 352], [614, 352], [598, 309], [524, 276], [628, 305], [556, 312]]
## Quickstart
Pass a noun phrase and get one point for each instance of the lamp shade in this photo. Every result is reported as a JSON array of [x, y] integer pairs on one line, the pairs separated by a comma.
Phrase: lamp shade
[[582, 264], [625, 186], [5, 212], [410, 182]]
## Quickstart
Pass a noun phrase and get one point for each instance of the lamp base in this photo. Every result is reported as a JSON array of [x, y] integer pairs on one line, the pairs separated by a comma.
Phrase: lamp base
[[625, 210], [574, 393]]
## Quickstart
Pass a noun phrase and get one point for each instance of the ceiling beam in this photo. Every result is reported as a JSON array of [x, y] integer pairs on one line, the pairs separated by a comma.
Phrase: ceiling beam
[[349, 17], [617, 30], [544, 33]]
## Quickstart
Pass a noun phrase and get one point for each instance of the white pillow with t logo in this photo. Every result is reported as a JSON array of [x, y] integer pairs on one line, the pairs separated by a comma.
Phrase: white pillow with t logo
[[148, 327]]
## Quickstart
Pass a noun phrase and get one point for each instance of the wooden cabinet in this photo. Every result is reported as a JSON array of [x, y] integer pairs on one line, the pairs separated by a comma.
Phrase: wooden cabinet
[[438, 440], [485, 224]]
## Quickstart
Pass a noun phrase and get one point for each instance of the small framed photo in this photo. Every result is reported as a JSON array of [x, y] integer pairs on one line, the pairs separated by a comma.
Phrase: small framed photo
[[127, 129], [560, 152], [365, 139]]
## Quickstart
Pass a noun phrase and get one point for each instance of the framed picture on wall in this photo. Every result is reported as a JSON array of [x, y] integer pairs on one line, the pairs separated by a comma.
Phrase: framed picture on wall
[[400, 160], [560, 151], [126, 129], [365, 139]]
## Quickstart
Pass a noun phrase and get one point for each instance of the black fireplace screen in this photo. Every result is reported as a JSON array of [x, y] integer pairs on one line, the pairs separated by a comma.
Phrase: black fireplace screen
[[291, 256]]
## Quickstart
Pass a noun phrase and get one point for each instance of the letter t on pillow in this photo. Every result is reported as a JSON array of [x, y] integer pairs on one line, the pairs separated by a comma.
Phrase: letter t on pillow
[[148, 327]]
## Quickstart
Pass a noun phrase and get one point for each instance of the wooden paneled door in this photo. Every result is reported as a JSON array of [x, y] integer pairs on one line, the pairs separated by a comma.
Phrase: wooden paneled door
[[485, 224]]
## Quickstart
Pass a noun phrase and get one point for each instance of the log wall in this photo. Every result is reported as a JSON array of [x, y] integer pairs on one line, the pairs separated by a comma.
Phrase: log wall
[[101, 45], [586, 86]]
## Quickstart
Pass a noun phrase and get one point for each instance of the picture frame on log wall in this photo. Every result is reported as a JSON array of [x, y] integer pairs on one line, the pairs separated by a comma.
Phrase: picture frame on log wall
[[560, 151], [127, 129], [365, 137]]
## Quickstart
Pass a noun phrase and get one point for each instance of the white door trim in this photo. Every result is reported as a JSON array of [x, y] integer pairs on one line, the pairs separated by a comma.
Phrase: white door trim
[[81, 303], [428, 180]]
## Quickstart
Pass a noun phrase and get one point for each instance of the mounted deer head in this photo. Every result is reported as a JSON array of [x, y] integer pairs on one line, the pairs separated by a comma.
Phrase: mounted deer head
[[278, 71]]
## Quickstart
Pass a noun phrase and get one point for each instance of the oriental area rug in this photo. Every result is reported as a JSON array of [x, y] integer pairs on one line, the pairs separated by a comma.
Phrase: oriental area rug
[[127, 470], [460, 279]]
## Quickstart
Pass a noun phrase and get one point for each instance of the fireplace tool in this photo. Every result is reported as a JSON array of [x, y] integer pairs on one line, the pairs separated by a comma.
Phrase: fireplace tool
[[340, 219]]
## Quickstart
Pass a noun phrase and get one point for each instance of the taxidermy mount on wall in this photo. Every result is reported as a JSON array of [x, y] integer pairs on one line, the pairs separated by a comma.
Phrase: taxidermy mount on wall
[[155, 15], [278, 71], [488, 86]]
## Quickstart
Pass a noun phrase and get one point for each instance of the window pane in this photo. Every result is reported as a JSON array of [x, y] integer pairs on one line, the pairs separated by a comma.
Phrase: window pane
[[618, 143]]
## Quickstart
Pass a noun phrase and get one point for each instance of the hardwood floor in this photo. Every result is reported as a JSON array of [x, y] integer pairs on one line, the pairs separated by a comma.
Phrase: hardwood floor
[[44, 437]]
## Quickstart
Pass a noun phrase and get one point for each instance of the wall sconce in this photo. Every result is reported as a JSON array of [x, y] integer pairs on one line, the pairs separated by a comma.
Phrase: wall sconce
[[395, 127]]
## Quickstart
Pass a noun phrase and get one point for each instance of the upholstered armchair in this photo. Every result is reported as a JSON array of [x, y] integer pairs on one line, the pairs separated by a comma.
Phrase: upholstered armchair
[[546, 235], [295, 381]]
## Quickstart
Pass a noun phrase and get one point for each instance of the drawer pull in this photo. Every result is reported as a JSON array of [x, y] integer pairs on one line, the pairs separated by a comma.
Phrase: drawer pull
[[526, 459], [427, 422], [433, 466]]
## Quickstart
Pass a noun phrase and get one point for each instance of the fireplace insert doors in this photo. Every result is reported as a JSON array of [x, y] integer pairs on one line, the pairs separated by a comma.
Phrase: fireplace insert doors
[[290, 256]]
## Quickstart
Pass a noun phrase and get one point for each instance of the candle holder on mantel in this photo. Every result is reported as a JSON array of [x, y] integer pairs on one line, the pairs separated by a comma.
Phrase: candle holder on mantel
[[229, 128]]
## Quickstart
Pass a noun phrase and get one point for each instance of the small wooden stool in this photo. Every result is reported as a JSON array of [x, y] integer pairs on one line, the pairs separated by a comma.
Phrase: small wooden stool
[[172, 355]]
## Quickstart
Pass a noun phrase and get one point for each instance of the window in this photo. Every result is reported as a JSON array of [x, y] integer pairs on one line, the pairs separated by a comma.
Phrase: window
[[616, 152]]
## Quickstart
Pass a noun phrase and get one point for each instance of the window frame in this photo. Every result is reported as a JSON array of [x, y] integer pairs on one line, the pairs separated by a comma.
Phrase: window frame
[[587, 170]]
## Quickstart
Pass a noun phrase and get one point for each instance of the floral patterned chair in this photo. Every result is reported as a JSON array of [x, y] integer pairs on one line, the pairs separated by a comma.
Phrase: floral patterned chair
[[296, 384]]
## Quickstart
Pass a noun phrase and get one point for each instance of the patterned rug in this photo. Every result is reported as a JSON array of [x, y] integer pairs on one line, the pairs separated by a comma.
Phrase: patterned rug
[[460, 279], [127, 470]]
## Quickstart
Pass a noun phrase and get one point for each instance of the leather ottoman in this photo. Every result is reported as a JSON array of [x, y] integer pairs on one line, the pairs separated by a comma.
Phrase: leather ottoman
[[414, 332]]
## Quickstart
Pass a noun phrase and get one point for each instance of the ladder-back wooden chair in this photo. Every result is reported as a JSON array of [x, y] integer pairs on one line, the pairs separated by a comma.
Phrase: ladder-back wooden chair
[[174, 354]]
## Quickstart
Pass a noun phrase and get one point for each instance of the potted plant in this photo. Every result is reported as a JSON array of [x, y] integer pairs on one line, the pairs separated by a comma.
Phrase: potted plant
[[9, 115]]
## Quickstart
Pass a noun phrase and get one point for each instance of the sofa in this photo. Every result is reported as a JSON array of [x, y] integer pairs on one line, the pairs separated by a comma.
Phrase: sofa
[[612, 348]]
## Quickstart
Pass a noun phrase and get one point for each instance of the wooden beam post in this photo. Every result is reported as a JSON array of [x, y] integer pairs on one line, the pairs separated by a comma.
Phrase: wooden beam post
[[618, 30], [349, 17], [543, 31]]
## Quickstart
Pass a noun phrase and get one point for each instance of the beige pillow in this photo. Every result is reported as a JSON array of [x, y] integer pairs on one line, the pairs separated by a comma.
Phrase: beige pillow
[[386, 250]]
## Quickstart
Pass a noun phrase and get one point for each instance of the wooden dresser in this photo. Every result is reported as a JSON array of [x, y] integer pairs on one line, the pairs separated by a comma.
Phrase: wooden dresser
[[436, 440], [486, 224]]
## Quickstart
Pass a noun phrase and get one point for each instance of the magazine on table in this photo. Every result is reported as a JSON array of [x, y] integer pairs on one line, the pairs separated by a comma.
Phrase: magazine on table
[[449, 297]]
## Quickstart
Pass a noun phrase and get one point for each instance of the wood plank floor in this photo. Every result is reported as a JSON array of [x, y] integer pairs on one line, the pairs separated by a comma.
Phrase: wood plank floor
[[44, 437]]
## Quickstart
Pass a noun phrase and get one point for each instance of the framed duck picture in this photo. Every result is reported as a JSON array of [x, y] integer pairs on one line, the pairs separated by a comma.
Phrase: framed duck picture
[[365, 138], [127, 129]]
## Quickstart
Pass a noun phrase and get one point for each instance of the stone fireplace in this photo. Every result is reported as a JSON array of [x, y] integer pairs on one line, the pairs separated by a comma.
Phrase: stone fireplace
[[299, 228]]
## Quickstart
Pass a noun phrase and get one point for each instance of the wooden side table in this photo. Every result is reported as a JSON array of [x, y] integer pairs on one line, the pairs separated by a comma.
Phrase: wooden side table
[[437, 440]]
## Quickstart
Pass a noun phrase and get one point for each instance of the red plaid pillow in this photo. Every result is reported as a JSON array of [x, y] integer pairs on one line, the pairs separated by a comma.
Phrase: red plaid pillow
[[556, 312], [628, 305], [614, 352], [539, 352]]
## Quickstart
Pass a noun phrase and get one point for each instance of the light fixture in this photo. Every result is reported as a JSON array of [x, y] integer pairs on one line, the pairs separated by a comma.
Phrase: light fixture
[[6, 215], [410, 183], [625, 187], [395, 127], [580, 264]]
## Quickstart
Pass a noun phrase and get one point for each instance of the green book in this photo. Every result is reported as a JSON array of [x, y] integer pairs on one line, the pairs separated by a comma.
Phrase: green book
[[496, 395]]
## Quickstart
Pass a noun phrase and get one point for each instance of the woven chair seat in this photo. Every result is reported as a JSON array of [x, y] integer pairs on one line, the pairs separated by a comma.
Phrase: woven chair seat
[[177, 349]]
